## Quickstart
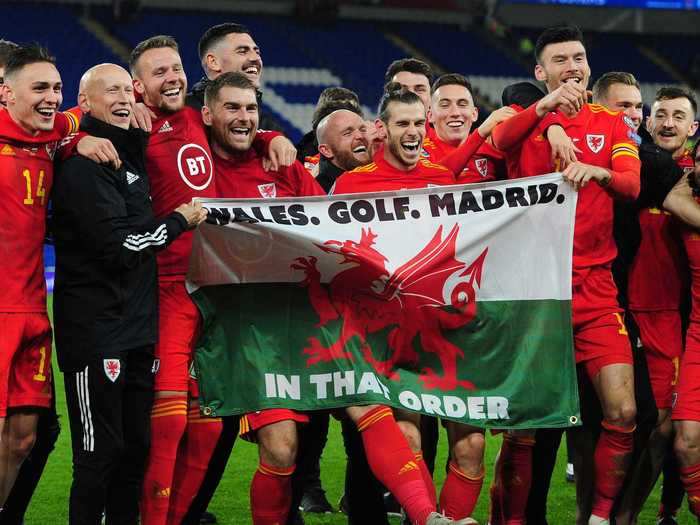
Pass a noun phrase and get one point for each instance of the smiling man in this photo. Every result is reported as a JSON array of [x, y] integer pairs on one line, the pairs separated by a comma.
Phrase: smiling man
[[452, 114], [30, 129], [230, 48], [106, 239]]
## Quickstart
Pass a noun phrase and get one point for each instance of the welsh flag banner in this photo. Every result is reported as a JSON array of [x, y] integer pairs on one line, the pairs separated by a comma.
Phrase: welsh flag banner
[[452, 301]]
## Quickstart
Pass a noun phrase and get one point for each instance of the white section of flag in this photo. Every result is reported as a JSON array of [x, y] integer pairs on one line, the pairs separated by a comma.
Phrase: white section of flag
[[529, 247]]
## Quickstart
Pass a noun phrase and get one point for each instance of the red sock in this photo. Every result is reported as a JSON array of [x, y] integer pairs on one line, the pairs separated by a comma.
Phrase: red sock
[[690, 476], [393, 463], [460, 493], [271, 495], [168, 422], [427, 478], [196, 450], [612, 454], [511, 483]]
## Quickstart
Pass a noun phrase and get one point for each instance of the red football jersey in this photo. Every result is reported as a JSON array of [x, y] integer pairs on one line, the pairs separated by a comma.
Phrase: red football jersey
[[484, 165], [530, 156], [26, 177], [180, 168], [659, 270], [244, 177], [382, 176], [605, 140], [691, 240]]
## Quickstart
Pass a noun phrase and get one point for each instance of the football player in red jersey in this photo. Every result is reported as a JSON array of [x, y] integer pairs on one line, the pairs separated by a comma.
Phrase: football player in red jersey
[[180, 168], [685, 414], [231, 111], [672, 121], [452, 114], [607, 167], [30, 128], [655, 289]]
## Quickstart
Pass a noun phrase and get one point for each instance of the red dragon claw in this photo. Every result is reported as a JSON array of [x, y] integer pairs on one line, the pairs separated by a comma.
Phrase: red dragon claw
[[432, 381], [319, 354]]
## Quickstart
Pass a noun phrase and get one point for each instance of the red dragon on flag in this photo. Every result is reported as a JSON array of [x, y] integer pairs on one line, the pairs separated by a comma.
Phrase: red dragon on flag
[[430, 293]]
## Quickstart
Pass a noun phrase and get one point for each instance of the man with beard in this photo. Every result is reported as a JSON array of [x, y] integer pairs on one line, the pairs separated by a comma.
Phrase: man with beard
[[672, 121], [231, 110], [656, 257], [608, 168], [342, 144]]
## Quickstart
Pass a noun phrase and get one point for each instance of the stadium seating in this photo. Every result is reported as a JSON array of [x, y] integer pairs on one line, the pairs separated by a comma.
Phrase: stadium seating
[[302, 58], [58, 27]]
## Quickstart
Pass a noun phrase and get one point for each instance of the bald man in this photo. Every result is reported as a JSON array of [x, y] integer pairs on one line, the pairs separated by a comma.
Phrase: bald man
[[105, 302], [344, 144]]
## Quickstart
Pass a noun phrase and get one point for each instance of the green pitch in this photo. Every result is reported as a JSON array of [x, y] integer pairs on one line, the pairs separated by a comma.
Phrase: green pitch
[[50, 503]]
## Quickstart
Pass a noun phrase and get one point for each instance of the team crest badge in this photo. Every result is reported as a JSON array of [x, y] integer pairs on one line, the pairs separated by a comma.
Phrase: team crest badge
[[595, 142], [268, 191], [112, 368], [482, 166]]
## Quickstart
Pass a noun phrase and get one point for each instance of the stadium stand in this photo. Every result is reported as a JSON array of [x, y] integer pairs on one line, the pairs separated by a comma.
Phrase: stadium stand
[[75, 48], [302, 58]]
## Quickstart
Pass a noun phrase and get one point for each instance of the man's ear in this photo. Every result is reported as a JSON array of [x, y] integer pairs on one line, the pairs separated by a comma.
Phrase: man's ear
[[83, 103], [693, 128], [139, 87], [325, 150], [381, 128], [206, 115], [540, 73], [212, 64]]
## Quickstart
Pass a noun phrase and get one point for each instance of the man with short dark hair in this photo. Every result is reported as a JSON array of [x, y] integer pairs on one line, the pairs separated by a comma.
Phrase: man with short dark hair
[[231, 112], [413, 74], [30, 129], [108, 262], [452, 114], [225, 48], [610, 170]]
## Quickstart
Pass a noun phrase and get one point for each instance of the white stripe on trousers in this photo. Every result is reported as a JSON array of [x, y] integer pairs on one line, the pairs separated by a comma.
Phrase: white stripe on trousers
[[81, 381]]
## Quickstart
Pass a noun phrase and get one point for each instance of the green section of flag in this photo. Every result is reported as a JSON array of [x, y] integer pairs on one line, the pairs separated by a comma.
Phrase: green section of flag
[[514, 361]]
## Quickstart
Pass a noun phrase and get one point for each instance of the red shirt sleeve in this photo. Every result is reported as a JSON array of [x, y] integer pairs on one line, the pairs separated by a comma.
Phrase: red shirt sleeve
[[624, 183], [262, 140], [510, 133], [459, 158], [71, 136]]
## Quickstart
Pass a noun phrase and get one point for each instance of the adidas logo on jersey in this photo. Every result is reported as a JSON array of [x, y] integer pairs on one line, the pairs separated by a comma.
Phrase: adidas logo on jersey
[[165, 127], [7, 150], [131, 177]]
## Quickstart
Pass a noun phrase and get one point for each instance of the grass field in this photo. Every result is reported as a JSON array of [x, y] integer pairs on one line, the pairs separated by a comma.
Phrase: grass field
[[50, 503]]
